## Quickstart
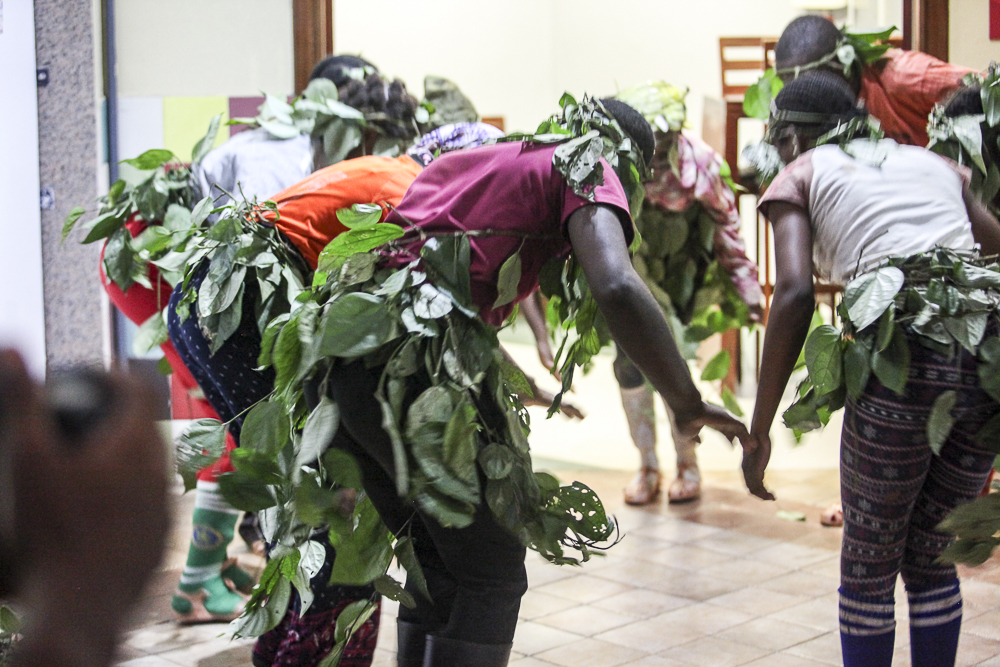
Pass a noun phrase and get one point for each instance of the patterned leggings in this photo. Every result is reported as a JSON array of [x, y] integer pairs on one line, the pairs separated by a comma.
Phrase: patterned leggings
[[895, 492]]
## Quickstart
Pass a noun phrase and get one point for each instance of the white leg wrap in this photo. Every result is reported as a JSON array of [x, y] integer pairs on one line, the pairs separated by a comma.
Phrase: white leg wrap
[[638, 404]]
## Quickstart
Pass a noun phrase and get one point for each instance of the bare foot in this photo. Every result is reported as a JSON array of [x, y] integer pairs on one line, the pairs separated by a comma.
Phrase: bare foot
[[832, 516]]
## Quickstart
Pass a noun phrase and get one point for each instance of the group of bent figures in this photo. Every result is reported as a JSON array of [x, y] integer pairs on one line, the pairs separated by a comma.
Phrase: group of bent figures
[[343, 331]]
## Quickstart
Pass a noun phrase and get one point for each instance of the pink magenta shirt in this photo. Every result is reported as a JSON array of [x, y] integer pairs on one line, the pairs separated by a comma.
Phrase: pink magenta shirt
[[510, 188]]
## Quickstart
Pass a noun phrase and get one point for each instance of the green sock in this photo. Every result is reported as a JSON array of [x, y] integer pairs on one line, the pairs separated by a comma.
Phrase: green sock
[[214, 526]]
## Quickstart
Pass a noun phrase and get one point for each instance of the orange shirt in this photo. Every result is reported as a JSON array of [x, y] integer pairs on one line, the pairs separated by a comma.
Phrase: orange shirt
[[309, 208], [901, 91]]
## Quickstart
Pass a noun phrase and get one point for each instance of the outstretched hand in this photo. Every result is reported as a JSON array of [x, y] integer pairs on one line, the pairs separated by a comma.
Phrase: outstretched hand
[[756, 455], [715, 418]]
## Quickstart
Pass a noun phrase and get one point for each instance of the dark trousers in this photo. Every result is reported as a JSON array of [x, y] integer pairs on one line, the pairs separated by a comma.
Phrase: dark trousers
[[475, 575]]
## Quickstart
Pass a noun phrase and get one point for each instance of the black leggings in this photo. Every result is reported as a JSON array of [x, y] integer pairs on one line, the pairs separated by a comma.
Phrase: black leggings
[[475, 575]]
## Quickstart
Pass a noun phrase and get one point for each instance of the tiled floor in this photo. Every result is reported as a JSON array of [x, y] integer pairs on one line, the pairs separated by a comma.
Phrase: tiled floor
[[721, 582]]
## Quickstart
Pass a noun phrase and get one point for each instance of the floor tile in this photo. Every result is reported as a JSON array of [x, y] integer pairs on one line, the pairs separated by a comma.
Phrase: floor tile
[[678, 532], [535, 603], [746, 571], [521, 662], [684, 556], [584, 588], [641, 574], [802, 583], [148, 661], [985, 625], [213, 653], [820, 613], [651, 635], [531, 638], [783, 660], [704, 618], [824, 649], [641, 603], [735, 543], [757, 601], [170, 636], [714, 651], [973, 649], [586, 620], [791, 555], [770, 633], [694, 585], [655, 661], [591, 653]]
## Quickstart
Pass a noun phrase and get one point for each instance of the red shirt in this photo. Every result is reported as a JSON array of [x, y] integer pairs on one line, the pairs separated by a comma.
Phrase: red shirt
[[902, 89], [511, 187]]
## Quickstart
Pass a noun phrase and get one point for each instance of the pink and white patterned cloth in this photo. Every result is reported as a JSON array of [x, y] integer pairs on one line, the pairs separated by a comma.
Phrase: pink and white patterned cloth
[[698, 180]]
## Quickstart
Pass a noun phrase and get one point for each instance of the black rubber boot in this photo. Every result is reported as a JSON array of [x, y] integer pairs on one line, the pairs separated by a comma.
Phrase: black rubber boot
[[443, 652], [411, 639]]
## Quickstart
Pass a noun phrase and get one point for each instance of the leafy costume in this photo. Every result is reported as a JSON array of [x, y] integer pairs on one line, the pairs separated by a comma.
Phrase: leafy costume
[[909, 365], [973, 140], [466, 430], [146, 217]]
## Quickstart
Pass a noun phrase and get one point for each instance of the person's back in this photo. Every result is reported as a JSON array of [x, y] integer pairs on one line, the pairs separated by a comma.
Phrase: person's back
[[863, 214], [902, 89]]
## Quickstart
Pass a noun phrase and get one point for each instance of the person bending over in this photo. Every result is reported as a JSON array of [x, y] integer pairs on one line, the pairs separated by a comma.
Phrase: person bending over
[[899, 221]]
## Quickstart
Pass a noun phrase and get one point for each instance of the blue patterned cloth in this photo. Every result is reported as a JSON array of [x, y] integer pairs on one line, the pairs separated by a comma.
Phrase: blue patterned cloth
[[452, 138]]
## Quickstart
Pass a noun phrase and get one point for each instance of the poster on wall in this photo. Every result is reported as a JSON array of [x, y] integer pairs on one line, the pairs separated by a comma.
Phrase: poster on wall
[[994, 19]]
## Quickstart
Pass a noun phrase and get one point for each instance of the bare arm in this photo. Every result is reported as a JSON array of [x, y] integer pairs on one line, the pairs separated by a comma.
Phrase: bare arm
[[985, 228], [636, 321], [787, 327], [535, 315]]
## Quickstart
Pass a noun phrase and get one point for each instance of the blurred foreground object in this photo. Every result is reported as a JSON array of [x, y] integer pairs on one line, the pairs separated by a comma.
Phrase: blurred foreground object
[[83, 508]]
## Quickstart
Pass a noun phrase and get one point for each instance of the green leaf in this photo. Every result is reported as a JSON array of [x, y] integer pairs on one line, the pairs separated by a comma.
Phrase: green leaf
[[364, 554], [177, 219], [496, 460], [318, 432], [266, 428], [363, 239], [857, 367], [892, 365], [447, 511], [261, 467], [459, 445], [353, 617], [729, 400], [989, 367], [508, 280], [151, 159], [340, 137], [391, 589], [717, 368], [205, 144], [448, 257], [868, 296], [163, 367], [356, 324], [407, 557], [119, 259], [342, 469], [940, 421], [757, 100], [584, 511], [151, 333], [202, 443], [989, 435], [71, 220], [245, 492], [824, 359], [10, 624], [104, 225], [360, 216], [787, 515], [153, 239]]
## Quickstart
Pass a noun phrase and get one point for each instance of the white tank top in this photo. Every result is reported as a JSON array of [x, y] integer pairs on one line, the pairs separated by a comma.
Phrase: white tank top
[[862, 215]]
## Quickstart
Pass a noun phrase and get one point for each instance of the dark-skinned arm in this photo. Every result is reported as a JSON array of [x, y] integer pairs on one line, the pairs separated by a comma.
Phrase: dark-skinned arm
[[535, 315], [787, 327], [985, 228], [636, 320]]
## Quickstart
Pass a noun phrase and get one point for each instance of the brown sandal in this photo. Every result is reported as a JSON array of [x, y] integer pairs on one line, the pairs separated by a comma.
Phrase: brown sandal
[[644, 487], [687, 486]]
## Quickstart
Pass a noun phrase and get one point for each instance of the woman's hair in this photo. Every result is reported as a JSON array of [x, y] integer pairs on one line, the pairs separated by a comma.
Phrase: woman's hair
[[966, 101], [338, 69], [806, 40], [634, 125], [374, 95], [818, 101]]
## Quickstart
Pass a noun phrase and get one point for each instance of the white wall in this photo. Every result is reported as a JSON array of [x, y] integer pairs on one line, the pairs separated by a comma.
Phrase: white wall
[[189, 48], [517, 61], [969, 34], [22, 310]]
